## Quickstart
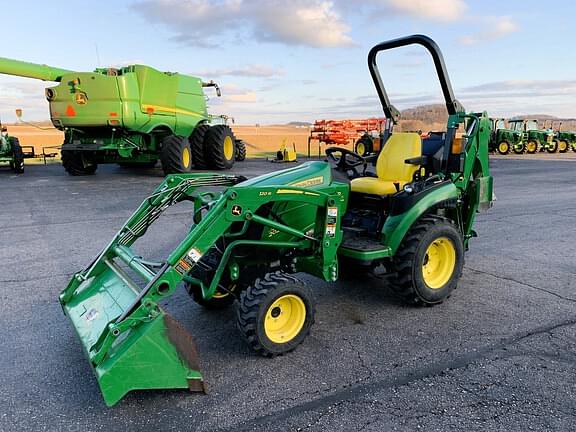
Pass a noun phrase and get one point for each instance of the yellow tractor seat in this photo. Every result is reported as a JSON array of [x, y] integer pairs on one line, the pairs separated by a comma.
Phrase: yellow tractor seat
[[393, 173]]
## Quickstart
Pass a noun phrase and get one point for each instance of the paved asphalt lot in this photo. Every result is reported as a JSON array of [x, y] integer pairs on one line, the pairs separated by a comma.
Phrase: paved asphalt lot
[[499, 355]]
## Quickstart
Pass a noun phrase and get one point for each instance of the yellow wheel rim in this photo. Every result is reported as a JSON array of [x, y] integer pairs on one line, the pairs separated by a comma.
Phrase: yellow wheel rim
[[503, 147], [531, 147], [228, 148], [562, 146], [439, 263], [285, 318], [360, 149], [186, 157], [221, 294]]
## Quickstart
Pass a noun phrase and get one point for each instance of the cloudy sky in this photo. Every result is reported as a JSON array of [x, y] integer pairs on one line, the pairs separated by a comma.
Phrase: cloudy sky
[[299, 60]]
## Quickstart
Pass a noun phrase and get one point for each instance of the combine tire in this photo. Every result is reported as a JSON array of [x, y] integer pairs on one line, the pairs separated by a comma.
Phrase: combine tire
[[275, 314], [175, 155], [552, 147], [363, 146], [531, 147], [240, 150], [429, 262], [197, 146], [563, 146], [17, 164], [76, 164], [220, 147], [503, 148]]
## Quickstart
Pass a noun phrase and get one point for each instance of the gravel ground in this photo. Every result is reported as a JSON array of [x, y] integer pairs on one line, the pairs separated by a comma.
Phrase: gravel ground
[[498, 355]]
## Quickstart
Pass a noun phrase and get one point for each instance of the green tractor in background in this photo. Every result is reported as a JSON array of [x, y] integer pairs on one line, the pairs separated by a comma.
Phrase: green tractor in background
[[502, 139], [132, 116], [533, 138], [11, 151], [565, 139], [409, 210]]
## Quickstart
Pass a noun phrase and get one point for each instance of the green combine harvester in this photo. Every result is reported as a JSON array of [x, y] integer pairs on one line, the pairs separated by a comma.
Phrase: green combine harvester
[[502, 139], [409, 209], [132, 116]]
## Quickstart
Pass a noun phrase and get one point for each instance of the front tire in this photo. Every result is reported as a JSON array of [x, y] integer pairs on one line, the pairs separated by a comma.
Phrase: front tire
[[563, 146], [175, 155], [17, 163], [76, 164], [552, 147], [275, 314], [519, 148], [220, 147], [429, 262], [197, 146], [240, 150]]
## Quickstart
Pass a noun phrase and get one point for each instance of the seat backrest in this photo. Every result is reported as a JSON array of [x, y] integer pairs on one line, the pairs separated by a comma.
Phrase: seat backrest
[[390, 165]]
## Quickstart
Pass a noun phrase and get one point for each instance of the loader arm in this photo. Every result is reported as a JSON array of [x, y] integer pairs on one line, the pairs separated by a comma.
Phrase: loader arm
[[115, 319]]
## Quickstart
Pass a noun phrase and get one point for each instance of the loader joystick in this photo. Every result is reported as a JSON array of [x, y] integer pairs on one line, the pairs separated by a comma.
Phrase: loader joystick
[[346, 161]]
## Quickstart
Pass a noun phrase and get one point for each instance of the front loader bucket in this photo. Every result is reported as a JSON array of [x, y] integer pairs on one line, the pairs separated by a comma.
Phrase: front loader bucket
[[156, 353]]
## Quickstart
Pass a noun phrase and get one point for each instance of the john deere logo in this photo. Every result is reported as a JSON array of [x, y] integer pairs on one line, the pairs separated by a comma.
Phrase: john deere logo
[[81, 99], [236, 210]]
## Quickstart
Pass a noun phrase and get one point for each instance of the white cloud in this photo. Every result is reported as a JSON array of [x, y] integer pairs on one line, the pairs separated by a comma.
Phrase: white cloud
[[254, 70], [313, 23], [499, 27], [438, 10]]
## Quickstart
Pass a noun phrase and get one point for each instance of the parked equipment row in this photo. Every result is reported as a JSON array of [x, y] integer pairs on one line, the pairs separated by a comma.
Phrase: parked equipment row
[[521, 136]]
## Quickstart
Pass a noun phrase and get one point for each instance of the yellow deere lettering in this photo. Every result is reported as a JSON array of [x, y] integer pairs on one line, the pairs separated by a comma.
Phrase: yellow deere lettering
[[309, 182]]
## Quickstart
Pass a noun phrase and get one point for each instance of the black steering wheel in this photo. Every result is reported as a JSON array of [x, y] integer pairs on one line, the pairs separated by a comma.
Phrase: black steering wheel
[[347, 162]]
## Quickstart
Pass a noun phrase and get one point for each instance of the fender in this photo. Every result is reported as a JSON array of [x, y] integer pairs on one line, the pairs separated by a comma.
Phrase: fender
[[397, 225]]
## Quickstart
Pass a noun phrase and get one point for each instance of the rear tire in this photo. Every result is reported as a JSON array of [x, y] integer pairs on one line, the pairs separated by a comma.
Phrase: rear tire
[[532, 146], [175, 155], [197, 146], [220, 147], [76, 164], [363, 146], [563, 146], [429, 262], [503, 148], [240, 150], [275, 314]]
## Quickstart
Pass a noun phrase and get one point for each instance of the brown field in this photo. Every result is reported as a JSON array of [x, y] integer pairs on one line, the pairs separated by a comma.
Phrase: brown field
[[38, 138], [260, 140]]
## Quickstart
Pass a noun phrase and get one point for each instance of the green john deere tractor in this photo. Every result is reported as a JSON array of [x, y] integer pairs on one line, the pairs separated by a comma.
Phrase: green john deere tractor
[[11, 151], [533, 138], [133, 116], [565, 139], [502, 139], [411, 214]]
